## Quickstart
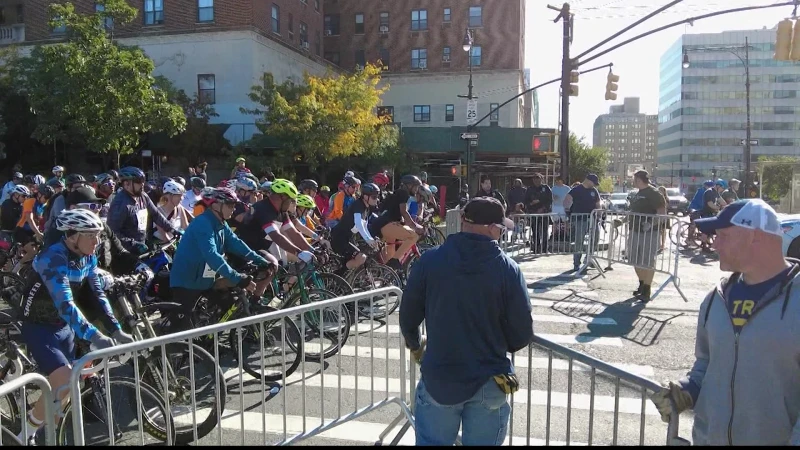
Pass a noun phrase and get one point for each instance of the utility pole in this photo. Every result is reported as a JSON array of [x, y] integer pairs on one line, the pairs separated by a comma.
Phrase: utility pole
[[566, 68], [747, 156], [467, 46]]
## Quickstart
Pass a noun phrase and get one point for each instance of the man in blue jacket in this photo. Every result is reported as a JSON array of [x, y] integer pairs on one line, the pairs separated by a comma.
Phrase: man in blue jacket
[[132, 210], [199, 257], [474, 301]]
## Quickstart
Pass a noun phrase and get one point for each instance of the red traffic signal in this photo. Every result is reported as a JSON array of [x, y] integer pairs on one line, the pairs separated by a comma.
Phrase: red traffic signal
[[537, 143], [453, 171]]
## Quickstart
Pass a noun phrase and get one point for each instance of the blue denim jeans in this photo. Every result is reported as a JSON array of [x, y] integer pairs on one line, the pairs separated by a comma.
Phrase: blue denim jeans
[[484, 418]]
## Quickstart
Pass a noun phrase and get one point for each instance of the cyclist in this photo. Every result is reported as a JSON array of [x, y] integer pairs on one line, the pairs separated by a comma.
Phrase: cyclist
[[201, 204], [712, 204], [58, 173], [354, 220], [180, 180], [321, 199], [305, 212], [11, 209], [132, 211], [199, 257], [29, 228], [58, 203], [245, 190], [15, 180], [342, 200], [395, 223], [170, 207], [105, 186], [193, 195], [240, 168], [310, 187], [51, 319]]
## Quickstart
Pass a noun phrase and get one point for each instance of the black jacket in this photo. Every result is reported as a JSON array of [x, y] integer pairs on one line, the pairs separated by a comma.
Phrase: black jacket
[[542, 193]]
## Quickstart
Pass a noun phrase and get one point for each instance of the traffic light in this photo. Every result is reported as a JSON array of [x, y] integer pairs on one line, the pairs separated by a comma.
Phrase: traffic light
[[611, 86], [783, 41], [454, 171], [573, 79], [542, 143]]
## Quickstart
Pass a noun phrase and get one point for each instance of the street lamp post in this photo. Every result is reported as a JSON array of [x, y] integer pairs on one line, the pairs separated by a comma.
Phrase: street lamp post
[[748, 128], [467, 47]]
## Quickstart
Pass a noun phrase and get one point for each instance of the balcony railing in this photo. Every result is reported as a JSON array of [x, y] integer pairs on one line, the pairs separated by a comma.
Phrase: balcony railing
[[11, 34]]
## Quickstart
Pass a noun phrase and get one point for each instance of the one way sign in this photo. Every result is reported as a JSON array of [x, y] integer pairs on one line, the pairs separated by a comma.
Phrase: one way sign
[[469, 136]]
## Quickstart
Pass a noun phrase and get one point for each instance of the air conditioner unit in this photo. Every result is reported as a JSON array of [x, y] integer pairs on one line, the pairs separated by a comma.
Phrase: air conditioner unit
[[384, 29], [304, 44], [445, 58], [328, 32]]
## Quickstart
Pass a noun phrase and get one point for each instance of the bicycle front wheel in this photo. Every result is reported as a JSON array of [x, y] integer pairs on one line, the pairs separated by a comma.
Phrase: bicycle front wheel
[[325, 333], [282, 349], [373, 276]]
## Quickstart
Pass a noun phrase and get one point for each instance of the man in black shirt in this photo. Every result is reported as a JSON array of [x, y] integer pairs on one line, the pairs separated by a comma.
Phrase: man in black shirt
[[11, 209], [395, 223], [354, 220], [487, 191], [516, 194], [712, 203], [539, 200], [579, 204]]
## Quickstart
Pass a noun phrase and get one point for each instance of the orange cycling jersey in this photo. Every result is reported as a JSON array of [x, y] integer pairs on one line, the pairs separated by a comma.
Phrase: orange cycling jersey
[[28, 207], [198, 209], [338, 206]]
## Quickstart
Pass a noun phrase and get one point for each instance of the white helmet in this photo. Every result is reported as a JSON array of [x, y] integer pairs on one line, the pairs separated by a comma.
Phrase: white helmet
[[78, 220], [265, 186], [173, 187], [21, 189], [57, 169]]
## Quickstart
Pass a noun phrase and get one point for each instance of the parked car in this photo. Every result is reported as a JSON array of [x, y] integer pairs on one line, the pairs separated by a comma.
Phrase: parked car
[[677, 202], [791, 234], [618, 201]]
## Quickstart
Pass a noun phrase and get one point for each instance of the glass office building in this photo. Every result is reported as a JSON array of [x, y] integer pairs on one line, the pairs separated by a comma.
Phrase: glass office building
[[702, 114]]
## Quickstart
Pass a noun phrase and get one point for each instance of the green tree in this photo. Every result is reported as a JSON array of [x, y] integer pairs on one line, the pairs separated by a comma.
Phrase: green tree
[[585, 159], [606, 185], [99, 90], [326, 117], [777, 176]]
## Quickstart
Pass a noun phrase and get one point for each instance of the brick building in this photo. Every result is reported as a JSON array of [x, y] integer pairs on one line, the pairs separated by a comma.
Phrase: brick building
[[420, 45]]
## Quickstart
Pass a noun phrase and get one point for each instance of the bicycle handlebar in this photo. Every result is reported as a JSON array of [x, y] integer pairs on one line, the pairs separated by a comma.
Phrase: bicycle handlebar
[[160, 248]]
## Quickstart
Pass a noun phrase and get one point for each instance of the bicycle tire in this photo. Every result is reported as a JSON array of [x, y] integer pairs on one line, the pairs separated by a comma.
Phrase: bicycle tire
[[11, 420], [675, 233], [185, 435], [312, 325], [11, 290], [385, 274], [252, 331], [331, 282], [9, 438], [149, 425]]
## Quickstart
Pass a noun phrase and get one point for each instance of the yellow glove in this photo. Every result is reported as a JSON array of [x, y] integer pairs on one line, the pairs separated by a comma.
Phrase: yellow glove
[[420, 352], [671, 391]]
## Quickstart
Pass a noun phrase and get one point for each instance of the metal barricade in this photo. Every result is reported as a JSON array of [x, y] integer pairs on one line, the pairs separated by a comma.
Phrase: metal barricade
[[289, 407], [641, 241], [452, 222], [549, 234], [15, 390]]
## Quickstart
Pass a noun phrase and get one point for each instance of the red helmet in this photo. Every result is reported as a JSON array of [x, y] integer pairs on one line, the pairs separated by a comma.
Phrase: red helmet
[[381, 179]]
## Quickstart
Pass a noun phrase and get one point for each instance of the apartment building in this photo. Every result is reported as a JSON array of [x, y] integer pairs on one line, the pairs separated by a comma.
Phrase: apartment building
[[629, 137]]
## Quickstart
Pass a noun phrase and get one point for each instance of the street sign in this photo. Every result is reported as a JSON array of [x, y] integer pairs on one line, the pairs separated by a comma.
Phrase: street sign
[[472, 112], [753, 142], [469, 136]]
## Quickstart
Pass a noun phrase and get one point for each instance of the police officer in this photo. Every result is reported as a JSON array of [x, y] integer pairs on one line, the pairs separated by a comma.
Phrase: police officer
[[579, 204], [539, 200]]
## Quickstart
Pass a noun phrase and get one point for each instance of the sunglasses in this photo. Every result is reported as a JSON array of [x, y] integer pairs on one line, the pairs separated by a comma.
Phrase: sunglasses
[[90, 234], [94, 207]]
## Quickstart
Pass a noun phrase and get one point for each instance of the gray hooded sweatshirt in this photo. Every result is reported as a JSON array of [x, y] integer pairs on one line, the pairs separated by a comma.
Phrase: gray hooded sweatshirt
[[746, 387]]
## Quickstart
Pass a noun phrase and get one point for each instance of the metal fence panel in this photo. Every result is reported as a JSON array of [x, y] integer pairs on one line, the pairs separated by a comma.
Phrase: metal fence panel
[[16, 387]]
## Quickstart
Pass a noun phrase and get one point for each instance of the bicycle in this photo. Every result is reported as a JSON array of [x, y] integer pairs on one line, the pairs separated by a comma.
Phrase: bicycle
[[371, 275]]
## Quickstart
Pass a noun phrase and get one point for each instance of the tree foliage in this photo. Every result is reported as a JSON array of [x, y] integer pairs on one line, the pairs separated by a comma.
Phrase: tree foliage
[[325, 117], [777, 177], [606, 185], [585, 159], [92, 87]]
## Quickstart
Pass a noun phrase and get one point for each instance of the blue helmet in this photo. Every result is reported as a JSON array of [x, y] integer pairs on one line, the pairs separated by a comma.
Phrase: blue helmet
[[246, 184], [131, 173], [721, 182], [708, 183]]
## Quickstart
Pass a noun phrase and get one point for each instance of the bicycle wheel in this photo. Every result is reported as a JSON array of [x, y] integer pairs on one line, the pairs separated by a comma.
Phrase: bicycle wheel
[[126, 406], [277, 344], [675, 233], [181, 389], [371, 276], [330, 282], [10, 416], [332, 331]]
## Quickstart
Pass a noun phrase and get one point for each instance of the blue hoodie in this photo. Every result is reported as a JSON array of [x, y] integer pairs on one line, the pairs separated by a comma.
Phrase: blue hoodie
[[697, 201], [474, 301]]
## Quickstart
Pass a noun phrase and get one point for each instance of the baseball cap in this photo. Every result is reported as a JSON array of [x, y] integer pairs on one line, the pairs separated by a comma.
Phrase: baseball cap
[[83, 194], [486, 211], [753, 214], [593, 178]]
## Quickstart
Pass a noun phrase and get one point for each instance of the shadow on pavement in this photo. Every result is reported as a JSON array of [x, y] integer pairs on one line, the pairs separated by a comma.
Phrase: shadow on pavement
[[554, 281]]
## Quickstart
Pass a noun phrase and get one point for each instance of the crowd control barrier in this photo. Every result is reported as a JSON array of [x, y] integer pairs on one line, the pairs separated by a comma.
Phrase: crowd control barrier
[[13, 392]]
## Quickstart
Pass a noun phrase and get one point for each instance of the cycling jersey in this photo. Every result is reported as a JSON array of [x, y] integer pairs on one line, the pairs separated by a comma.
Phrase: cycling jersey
[[264, 219], [341, 201], [239, 209], [391, 206], [10, 212], [128, 218], [37, 209], [697, 200], [354, 220], [49, 293], [710, 196]]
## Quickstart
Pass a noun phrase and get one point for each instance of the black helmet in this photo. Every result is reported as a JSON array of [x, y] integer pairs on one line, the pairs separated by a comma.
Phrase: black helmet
[[180, 180], [162, 181], [55, 183], [132, 173], [28, 179], [411, 180], [352, 181], [308, 184], [114, 174], [91, 178], [198, 183], [46, 190], [75, 178], [370, 189]]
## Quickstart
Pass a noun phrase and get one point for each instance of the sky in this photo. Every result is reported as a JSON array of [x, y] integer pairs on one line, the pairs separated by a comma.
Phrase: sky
[[637, 63]]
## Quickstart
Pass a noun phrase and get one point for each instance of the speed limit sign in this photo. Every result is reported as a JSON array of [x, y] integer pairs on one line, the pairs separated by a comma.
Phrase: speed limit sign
[[472, 111]]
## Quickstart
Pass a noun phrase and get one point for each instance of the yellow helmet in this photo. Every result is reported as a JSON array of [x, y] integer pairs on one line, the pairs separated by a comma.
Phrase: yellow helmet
[[305, 201], [281, 186]]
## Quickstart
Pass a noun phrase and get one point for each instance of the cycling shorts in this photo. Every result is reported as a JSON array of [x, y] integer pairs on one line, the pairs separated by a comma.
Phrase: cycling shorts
[[51, 346], [341, 245]]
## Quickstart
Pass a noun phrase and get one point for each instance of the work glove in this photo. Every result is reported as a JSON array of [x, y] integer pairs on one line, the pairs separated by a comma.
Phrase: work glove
[[100, 341], [305, 256], [671, 391], [420, 352], [121, 337]]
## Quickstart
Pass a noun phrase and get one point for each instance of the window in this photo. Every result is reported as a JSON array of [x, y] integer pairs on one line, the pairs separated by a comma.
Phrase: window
[[446, 54], [359, 23], [447, 15], [61, 29], [475, 55], [422, 113], [108, 22], [361, 59], [419, 19], [475, 16], [419, 58], [206, 88], [332, 24], [205, 10], [316, 5], [386, 111], [332, 57], [449, 113], [153, 12], [291, 27], [318, 44], [383, 26], [303, 33], [385, 59], [20, 14], [276, 19], [495, 115]]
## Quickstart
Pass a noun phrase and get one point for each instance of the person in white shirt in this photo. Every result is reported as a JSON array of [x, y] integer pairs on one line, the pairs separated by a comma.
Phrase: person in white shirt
[[170, 205], [193, 195], [9, 187], [560, 191]]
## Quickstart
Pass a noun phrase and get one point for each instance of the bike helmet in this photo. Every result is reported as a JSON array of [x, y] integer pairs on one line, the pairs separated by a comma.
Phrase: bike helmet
[[265, 186], [132, 173], [308, 184], [46, 191], [114, 174], [78, 220], [380, 179], [18, 176], [179, 180], [324, 189], [281, 186], [433, 189], [197, 182], [352, 181], [105, 179], [21, 189], [423, 176], [57, 169], [349, 173], [28, 179], [38, 179], [708, 183], [162, 181], [370, 189], [223, 195], [172, 187], [229, 184], [246, 184], [722, 183], [240, 159], [305, 201], [425, 193], [411, 180], [75, 178], [55, 183]]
